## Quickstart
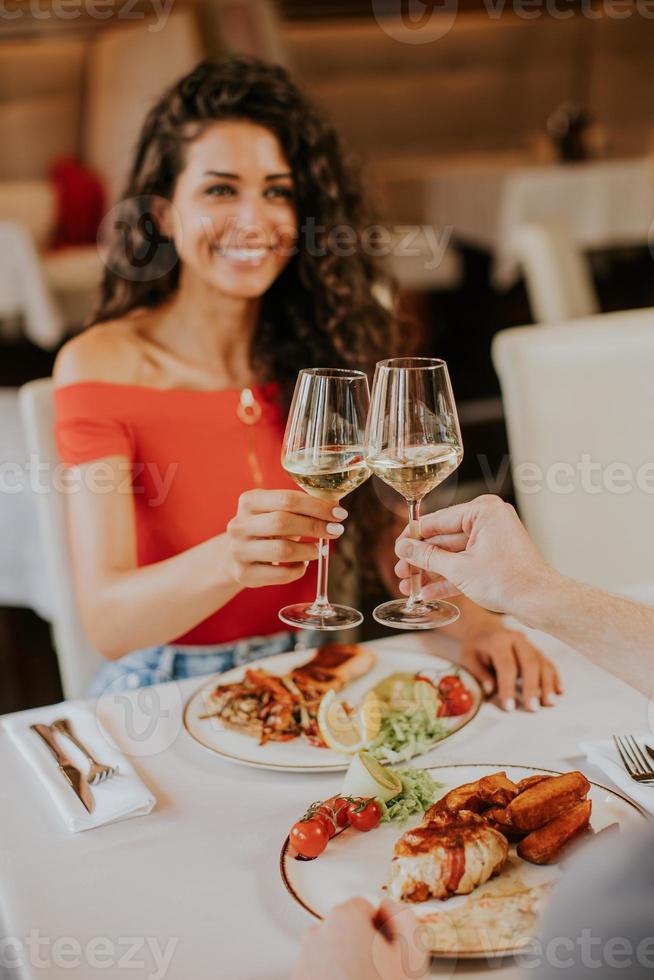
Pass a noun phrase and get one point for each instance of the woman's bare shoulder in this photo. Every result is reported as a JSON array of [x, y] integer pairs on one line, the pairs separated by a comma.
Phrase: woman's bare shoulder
[[107, 351]]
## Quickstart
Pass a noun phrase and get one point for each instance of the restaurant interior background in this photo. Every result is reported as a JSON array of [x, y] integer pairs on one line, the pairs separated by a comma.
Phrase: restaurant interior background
[[473, 122]]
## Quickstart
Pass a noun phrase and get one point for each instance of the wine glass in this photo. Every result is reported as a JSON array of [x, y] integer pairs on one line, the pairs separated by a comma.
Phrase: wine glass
[[413, 443], [323, 452]]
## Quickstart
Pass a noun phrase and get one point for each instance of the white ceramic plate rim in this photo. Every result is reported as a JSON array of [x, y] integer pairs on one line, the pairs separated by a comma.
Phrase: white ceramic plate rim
[[431, 661]]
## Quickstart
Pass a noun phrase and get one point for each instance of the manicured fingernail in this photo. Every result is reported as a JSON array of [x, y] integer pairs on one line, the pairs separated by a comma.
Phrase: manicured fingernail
[[339, 513], [488, 687], [533, 704], [548, 700], [404, 548], [509, 704], [335, 529]]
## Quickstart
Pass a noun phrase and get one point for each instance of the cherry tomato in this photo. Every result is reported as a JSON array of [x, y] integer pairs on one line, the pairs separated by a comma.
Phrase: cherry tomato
[[339, 807], [326, 816], [309, 837], [448, 684], [364, 815], [459, 702]]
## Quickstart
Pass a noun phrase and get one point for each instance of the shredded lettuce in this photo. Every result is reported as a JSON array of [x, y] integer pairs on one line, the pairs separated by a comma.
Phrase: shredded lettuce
[[404, 734], [418, 792]]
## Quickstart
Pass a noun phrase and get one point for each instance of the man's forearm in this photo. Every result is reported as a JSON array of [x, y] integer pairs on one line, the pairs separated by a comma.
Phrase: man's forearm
[[614, 632]]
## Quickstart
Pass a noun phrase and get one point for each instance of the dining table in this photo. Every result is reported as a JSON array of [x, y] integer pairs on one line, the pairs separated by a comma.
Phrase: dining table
[[193, 890], [482, 200]]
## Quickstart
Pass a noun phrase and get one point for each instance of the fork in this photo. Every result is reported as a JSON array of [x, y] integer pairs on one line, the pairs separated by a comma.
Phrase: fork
[[98, 771], [635, 761]]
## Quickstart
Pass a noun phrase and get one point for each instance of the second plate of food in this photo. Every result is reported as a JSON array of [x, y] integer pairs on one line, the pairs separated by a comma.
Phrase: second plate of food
[[225, 714], [485, 852]]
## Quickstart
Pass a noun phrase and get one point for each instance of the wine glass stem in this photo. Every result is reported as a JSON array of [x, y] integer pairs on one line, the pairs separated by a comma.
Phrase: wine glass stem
[[414, 532], [321, 602]]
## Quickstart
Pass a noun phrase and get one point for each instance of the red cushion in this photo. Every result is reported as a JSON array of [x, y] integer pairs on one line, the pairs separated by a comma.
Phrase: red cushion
[[80, 203]]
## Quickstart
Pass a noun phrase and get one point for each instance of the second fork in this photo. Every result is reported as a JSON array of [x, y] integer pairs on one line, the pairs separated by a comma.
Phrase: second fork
[[634, 759]]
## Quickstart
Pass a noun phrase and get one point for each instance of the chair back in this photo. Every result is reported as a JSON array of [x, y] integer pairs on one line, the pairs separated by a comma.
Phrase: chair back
[[78, 660], [557, 273], [579, 407]]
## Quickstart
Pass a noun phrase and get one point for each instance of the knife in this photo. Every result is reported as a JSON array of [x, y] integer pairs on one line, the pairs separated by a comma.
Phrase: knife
[[70, 772]]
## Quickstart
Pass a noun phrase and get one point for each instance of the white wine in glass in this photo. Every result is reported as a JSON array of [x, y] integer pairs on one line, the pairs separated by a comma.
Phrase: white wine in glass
[[413, 443], [324, 453]]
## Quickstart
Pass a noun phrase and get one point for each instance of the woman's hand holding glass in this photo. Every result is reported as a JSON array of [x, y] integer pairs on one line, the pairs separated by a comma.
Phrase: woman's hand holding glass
[[323, 452], [264, 537]]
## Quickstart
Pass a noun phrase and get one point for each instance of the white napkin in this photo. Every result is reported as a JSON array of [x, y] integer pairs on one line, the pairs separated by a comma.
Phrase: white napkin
[[605, 756], [117, 798]]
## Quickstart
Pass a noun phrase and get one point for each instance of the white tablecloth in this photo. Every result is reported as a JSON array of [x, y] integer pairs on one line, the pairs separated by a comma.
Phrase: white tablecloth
[[202, 869], [484, 198]]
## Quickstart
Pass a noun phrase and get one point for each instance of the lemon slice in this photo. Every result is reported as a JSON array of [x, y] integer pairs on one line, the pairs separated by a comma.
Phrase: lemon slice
[[339, 730], [369, 717], [367, 778]]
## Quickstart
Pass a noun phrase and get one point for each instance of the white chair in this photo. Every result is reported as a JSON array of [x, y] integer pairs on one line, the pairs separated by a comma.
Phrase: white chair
[[78, 660], [23, 289], [557, 273], [579, 406]]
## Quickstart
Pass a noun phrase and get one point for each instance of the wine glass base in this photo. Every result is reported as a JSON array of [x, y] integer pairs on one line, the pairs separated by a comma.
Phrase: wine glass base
[[423, 616], [309, 617]]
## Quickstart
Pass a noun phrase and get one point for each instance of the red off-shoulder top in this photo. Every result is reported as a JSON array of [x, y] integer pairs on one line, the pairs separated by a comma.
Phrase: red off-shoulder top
[[190, 456]]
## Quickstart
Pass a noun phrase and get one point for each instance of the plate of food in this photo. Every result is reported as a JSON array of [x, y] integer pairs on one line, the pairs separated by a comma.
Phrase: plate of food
[[476, 865], [309, 711]]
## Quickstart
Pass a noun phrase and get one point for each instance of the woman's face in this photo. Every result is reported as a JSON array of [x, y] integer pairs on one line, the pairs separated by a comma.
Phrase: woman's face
[[236, 223]]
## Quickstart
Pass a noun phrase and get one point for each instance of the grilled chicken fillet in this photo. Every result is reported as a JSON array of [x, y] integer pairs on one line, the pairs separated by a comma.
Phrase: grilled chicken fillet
[[450, 854]]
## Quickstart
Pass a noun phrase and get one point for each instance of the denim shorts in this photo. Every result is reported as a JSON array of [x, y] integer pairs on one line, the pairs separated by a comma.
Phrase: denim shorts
[[156, 665]]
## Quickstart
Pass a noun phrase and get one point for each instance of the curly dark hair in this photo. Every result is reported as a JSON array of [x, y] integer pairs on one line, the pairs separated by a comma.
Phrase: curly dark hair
[[324, 308]]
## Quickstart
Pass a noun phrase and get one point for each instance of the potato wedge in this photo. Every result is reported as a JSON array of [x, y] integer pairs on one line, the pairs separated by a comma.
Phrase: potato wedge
[[498, 817], [497, 789], [466, 797], [543, 845], [530, 781], [546, 800]]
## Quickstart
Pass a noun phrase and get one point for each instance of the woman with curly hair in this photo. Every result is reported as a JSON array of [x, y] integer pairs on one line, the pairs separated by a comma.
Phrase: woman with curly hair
[[223, 279]]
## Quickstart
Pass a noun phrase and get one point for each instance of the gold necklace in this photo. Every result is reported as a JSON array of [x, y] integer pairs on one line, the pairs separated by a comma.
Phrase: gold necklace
[[249, 412]]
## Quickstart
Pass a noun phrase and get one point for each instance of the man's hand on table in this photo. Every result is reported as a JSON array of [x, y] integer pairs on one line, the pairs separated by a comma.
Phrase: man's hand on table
[[358, 942], [482, 550]]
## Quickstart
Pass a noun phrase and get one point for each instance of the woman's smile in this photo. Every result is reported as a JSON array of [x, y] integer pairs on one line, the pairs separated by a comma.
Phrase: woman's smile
[[242, 258]]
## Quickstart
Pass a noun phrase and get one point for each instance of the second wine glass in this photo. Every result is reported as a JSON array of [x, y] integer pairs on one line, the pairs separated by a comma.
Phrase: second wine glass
[[323, 452], [413, 443]]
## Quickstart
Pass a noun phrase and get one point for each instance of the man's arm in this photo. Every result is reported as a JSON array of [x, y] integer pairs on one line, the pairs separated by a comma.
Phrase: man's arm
[[613, 631], [483, 550]]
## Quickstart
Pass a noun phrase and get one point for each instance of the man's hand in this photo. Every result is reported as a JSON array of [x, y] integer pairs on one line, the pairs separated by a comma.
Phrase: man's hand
[[480, 549], [358, 942]]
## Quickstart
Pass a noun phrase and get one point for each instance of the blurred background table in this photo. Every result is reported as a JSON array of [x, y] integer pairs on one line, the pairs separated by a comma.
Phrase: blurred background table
[[484, 199]]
